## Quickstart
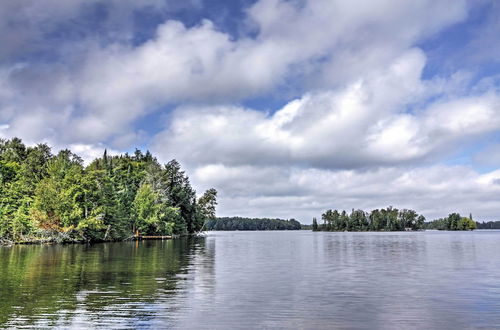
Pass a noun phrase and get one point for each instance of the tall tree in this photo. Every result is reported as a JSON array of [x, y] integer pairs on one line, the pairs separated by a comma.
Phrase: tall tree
[[206, 207], [181, 194], [315, 224]]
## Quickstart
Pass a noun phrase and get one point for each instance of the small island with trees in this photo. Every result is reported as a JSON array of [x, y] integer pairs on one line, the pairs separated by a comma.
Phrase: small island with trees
[[388, 219], [453, 222]]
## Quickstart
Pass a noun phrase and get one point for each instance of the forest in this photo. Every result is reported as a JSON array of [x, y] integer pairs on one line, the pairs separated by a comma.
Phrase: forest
[[238, 223], [55, 197]]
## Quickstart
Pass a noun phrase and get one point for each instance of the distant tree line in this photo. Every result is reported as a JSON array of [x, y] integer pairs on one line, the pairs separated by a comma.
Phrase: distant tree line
[[453, 222], [488, 225], [388, 219], [238, 223], [45, 196], [306, 227]]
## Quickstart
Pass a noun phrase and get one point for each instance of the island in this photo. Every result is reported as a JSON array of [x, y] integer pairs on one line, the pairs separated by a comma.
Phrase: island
[[388, 219]]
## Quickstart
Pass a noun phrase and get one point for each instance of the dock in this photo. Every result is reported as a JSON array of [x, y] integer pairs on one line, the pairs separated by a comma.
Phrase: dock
[[139, 238]]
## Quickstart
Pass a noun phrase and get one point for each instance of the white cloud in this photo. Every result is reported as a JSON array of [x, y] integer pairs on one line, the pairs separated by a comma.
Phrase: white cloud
[[202, 64], [89, 152], [362, 125]]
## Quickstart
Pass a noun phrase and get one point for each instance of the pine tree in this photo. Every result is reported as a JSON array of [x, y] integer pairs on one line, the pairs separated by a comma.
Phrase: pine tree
[[315, 225]]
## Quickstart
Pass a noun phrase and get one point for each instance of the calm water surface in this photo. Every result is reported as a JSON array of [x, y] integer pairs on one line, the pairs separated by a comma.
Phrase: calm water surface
[[228, 280]]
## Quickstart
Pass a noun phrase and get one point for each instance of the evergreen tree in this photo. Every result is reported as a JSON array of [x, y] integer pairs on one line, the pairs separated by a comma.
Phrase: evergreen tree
[[206, 207], [181, 194], [315, 225]]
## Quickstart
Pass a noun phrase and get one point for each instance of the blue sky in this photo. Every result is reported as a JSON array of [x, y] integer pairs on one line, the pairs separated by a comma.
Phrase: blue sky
[[286, 107]]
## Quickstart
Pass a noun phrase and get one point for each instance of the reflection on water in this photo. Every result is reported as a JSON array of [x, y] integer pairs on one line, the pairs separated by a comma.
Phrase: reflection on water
[[433, 280], [112, 284]]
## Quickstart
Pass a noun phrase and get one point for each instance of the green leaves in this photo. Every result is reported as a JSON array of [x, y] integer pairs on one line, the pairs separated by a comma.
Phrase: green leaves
[[206, 205], [146, 210], [453, 222], [388, 219], [110, 199]]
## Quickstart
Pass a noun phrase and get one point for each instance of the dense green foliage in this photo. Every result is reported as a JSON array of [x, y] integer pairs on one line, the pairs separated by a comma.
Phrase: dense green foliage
[[453, 222], [388, 219], [488, 225], [237, 223], [55, 197]]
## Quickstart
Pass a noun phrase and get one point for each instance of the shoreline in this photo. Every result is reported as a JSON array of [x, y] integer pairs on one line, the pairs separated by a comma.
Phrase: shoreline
[[53, 241]]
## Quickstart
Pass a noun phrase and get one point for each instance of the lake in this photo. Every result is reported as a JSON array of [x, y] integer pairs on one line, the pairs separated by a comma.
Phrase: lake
[[258, 280]]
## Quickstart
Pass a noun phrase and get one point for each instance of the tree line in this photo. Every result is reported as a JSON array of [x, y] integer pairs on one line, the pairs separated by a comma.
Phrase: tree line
[[453, 222], [238, 223], [45, 196], [488, 225]]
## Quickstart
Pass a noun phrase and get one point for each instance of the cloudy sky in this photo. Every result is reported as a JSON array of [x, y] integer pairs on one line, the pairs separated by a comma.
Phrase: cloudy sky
[[287, 108]]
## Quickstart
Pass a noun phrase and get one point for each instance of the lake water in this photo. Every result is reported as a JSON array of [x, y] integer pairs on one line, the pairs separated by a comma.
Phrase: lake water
[[258, 280]]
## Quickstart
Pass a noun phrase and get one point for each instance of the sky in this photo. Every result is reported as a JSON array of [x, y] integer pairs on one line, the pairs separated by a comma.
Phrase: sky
[[287, 108]]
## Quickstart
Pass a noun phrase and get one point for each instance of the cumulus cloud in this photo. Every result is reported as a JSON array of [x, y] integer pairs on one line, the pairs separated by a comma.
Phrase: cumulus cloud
[[366, 124], [203, 64], [115, 84]]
